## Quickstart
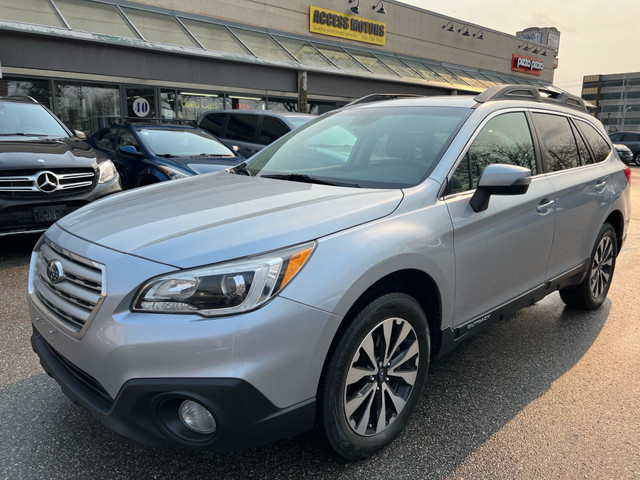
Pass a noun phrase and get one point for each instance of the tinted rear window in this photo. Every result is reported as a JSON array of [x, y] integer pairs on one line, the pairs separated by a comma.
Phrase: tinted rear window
[[598, 145], [213, 123], [272, 129], [242, 127], [558, 144]]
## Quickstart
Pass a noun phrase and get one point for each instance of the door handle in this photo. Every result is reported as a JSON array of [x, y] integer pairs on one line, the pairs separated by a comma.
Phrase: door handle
[[543, 208], [601, 186]]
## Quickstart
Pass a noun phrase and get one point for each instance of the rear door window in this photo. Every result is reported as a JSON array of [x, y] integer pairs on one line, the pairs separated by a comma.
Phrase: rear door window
[[272, 129], [559, 150], [242, 127], [125, 137], [598, 144], [213, 122], [105, 138]]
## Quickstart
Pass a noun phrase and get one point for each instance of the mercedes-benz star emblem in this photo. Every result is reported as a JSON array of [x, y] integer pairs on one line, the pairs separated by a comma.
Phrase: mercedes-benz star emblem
[[55, 273], [47, 182]]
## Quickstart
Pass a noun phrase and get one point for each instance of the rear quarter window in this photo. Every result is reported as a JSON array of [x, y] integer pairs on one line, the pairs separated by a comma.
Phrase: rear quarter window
[[599, 146]]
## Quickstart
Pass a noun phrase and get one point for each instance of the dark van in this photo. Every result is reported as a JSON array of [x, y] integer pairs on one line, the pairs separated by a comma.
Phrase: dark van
[[251, 130]]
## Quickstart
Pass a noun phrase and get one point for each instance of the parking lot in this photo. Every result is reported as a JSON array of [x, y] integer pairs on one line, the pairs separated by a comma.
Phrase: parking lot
[[550, 393]]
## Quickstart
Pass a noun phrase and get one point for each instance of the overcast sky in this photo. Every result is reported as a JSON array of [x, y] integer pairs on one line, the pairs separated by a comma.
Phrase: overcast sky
[[595, 36]]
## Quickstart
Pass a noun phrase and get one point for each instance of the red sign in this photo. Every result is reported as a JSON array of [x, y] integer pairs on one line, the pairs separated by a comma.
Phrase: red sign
[[532, 66], [555, 63]]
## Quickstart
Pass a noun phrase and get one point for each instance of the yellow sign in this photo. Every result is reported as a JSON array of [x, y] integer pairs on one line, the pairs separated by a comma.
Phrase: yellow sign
[[336, 24]]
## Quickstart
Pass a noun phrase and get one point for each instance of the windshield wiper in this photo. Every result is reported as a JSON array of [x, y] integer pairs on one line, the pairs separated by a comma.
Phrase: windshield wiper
[[241, 169], [300, 177], [166, 155], [213, 155], [22, 134]]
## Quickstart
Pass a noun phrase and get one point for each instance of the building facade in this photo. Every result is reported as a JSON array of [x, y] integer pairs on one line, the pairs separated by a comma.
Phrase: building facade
[[617, 99], [96, 61]]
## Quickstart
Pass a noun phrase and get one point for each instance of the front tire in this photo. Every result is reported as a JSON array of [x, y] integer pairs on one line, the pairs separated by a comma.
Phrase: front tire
[[591, 293], [374, 376], [636, 158]]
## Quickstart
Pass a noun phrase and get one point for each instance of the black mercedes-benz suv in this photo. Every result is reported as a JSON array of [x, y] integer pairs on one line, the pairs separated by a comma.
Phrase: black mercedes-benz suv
[[45, 170]]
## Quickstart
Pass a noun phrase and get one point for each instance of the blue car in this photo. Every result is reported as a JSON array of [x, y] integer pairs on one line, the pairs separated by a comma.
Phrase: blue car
[[150, 153]]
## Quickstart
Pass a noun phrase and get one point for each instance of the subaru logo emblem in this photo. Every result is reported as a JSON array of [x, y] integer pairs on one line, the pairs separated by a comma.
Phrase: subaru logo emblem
[[55, 273], [47, 182]]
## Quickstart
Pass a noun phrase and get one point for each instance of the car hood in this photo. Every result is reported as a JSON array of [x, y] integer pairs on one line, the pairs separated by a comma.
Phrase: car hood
[[19, 154], [211, 218]]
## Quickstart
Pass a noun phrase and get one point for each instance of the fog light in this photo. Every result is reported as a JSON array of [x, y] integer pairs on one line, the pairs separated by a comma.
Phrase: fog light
[[197, 418]]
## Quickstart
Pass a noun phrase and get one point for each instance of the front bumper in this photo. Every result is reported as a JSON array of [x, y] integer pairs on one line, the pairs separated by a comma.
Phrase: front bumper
[[17, 213], [257, 369], [146, 410]]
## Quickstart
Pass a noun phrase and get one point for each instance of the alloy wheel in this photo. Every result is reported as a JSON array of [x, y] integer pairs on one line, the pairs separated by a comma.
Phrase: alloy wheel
[[381, 376], [601, 267]]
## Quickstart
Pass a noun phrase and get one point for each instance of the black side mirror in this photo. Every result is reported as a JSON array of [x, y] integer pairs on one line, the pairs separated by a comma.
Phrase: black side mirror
[[500, 179]]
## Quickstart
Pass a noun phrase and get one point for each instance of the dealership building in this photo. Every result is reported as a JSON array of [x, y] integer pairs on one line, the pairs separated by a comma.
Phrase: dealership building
[[98, 61]]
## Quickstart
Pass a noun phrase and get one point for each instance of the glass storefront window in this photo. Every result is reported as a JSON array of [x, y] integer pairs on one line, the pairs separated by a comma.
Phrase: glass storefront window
[[159, 28], [215, 37], [34, 88], [262, 44], [192, 105], [141, 103], [29, 11], [94, 17], [87, 107], [283, 104], [248, 103]]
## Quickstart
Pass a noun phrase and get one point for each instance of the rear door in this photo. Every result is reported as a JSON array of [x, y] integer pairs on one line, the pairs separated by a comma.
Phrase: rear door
[[242, 131], [502, 252], [582, 198]]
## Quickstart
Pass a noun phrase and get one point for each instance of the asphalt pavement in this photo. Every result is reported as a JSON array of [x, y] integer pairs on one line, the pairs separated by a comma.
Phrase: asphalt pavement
[[549, 393]]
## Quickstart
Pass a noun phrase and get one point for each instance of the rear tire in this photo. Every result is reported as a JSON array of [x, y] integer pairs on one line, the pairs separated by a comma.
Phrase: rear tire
[[374, 376], [591, 293]]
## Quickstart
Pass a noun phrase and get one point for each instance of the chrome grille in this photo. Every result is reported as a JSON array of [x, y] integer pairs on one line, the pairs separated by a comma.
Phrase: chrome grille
[[61, 182], [72, 300]]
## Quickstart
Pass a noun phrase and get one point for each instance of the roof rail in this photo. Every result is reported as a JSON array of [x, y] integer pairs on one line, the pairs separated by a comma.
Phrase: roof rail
[[22, 98], [378, 97], [547, 94]]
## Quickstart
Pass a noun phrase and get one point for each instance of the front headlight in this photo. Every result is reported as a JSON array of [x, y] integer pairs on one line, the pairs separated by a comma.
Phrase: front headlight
[[172, 173], [223, 289], [107, 171]]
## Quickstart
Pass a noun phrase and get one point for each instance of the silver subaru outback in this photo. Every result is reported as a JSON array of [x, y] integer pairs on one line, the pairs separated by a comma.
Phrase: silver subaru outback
[[312, 286]]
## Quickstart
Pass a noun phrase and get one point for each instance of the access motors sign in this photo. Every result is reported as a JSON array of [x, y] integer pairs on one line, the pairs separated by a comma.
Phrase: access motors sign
[[532, 66], [336, 24]]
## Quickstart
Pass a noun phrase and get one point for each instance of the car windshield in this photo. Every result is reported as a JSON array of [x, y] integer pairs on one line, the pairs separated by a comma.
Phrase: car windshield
[[29, 120], [380, 147], [182, 143]]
